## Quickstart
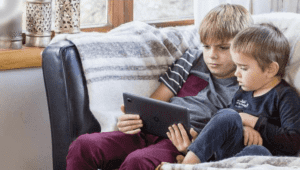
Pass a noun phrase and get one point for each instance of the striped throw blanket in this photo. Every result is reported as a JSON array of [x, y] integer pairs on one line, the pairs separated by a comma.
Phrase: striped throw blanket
[[129, 58]]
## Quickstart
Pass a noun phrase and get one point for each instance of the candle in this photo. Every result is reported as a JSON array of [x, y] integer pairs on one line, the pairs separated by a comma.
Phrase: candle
[[11, 33], [67, 18], [38, 22]]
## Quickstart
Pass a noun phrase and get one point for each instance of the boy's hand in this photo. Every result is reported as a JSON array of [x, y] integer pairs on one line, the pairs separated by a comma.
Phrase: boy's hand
[[129, 123], [251, 136], [179, 137], [248, 120]]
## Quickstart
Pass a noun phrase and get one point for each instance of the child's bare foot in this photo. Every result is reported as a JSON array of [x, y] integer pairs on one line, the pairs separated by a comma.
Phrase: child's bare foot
[[179, 158], [160, 165], [191, 158]]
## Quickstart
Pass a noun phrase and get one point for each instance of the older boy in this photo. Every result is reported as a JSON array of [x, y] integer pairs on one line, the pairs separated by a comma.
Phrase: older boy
[[264, 102], [203, 81]]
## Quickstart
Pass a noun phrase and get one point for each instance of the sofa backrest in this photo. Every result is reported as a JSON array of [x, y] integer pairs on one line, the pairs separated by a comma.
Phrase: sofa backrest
[[289, 24]]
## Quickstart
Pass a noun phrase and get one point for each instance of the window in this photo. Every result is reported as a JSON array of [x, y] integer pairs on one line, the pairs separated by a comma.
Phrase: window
[[93, 13], [103, 15], [163, 10]]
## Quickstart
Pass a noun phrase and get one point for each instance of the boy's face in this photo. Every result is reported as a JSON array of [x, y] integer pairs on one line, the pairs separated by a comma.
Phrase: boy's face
[[249, 75], [218, 59]]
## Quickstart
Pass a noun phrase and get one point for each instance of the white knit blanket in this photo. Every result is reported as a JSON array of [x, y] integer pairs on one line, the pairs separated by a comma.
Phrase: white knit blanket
[[244, 162], [129, 58]]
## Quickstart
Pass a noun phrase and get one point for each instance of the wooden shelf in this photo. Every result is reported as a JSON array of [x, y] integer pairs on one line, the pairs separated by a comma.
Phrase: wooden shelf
[[27, 57]]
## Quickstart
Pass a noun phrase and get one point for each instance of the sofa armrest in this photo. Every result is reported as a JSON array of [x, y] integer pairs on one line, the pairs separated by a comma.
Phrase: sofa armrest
[[67, 99]]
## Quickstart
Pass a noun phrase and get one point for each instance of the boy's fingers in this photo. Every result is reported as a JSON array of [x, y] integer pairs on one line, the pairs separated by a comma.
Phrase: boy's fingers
[[193, 133], [169, 136], [172, 134], [177, 133], [260, 141], [171, 130], [245, 138], [129, 123], [183, 132], [123, 108], [129, 128], [255, 139], [128, 117], [251, 139], [135, 131]]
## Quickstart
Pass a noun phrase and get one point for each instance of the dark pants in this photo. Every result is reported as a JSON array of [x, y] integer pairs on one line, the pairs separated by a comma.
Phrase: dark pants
[[223, 137], [110, 150]]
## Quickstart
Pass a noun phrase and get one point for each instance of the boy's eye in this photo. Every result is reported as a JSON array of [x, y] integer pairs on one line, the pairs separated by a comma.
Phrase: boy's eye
[[206, 46], [224, 48], [243, 68]]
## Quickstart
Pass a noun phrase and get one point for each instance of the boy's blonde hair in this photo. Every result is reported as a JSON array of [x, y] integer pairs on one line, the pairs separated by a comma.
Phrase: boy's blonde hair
[[265, 43], [223, 22]]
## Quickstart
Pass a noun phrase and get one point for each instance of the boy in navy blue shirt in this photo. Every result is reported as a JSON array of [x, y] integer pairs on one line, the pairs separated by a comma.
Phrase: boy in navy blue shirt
[[266, 105]]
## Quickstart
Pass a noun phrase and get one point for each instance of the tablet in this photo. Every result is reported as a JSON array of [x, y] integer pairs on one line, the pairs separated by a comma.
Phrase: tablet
[[156, 115]]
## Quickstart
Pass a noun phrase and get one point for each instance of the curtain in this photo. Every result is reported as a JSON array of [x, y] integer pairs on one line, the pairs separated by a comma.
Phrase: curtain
[[201, 7]]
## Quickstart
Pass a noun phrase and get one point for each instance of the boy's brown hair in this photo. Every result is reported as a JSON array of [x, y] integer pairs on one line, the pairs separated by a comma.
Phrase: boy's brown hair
[[265, 43], [223, 22]]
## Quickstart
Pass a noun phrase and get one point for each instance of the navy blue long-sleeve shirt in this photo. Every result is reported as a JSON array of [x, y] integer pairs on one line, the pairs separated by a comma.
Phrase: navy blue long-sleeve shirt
[[278, 113]]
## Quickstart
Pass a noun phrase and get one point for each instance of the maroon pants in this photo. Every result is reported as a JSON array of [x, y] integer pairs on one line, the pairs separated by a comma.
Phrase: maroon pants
[[110, 150]]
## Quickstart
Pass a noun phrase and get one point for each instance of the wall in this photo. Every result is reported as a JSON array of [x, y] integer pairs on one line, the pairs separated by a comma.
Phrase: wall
[[25, 139]]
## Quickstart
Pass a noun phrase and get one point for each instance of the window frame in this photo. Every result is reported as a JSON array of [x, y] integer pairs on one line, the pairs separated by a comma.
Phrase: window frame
[[121, 11]]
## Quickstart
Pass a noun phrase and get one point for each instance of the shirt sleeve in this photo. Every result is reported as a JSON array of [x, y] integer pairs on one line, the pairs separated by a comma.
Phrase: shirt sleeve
[[179, 71], [284, 138]]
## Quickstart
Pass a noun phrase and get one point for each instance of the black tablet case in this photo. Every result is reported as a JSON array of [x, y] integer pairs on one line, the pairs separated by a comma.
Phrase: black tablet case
[[156, 115]]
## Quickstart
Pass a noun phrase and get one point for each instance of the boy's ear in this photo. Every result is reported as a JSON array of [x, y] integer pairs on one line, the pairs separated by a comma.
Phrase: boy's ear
[[273, 69]]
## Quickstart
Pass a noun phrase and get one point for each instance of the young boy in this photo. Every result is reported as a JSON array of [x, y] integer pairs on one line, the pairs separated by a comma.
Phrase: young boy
[[265, 103], [129, 148]]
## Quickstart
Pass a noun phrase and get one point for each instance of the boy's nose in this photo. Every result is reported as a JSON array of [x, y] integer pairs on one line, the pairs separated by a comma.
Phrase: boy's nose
[[237, 73], [213, 54]]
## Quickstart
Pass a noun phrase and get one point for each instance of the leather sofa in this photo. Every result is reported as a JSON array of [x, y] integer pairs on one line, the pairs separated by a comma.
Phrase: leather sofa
[[67, 92], [67, 98]]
